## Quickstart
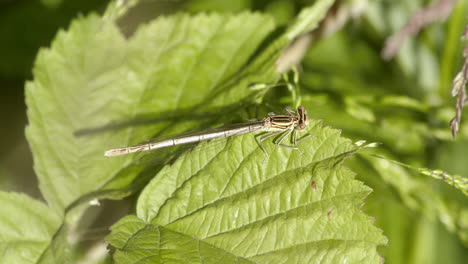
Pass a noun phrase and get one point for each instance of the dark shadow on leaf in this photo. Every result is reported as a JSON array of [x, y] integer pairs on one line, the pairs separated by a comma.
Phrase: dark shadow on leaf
[[174, 117], [112, 189], [142, 120]]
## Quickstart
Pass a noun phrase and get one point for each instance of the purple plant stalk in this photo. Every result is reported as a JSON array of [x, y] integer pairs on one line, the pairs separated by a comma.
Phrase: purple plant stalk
[[459, 88], [438, 11]]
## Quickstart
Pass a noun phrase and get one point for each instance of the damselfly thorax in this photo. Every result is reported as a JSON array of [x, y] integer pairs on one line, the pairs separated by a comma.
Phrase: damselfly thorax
[[284, 122]]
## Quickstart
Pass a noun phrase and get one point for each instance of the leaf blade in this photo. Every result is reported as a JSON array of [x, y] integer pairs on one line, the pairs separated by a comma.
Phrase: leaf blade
[[263, 217], [26, 228], [122, 82]]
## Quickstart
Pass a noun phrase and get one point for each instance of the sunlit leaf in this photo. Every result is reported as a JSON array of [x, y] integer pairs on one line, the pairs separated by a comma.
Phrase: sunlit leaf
[[168, 65], [224, 203], [26, 228]]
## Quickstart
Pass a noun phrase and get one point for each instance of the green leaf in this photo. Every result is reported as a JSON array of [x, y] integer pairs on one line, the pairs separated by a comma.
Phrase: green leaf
[[432, 204], [170, 68], [221, 201], [309, 18], [169, 65], [26, 228], [67, 93], [128, 90], [59, 249]]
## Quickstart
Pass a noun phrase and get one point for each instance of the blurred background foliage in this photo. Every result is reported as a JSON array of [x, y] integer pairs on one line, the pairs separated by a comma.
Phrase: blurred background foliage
[[404, 103]]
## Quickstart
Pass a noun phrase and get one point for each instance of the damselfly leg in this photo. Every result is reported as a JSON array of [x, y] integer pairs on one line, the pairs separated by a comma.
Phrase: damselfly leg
[[297, 141], [260, 140], [283, 136]]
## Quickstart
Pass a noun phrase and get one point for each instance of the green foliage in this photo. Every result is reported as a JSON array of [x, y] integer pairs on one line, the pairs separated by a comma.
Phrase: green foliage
[[26, 228], [401, 105], [67, 79], [308, 19], [221, 204], [96, 88], [169, 68], [143, 80]]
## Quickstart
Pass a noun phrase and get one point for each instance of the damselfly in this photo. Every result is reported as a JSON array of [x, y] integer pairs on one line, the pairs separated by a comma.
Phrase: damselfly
[[274, 124]]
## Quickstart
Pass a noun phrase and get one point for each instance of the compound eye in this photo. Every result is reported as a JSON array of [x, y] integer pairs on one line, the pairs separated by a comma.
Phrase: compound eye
[[301, 126]]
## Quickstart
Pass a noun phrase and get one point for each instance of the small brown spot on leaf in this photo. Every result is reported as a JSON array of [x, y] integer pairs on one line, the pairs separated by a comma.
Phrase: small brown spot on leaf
[[313, 184]]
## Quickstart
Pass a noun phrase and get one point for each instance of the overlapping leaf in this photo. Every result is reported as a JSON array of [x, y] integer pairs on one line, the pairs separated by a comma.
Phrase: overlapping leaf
[[205, 205], [171, 67], [92, 76], [223, 203]]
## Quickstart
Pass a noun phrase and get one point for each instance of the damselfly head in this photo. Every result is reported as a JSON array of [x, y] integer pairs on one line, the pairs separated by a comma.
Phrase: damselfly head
[[303, 118]]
